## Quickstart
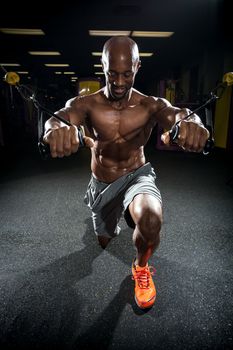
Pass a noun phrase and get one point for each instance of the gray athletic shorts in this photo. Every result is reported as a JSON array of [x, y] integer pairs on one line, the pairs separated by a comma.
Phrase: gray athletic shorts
[[109, 201]]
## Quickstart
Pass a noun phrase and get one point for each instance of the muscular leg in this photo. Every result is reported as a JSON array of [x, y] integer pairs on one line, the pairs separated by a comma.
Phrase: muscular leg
[[146, 212]]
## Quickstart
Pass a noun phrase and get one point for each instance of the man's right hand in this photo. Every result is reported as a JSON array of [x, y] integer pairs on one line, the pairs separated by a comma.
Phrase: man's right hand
[[64, 140]]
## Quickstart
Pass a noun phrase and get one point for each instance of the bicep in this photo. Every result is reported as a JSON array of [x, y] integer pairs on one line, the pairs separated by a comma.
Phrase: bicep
[[166, 114], [74, 111]]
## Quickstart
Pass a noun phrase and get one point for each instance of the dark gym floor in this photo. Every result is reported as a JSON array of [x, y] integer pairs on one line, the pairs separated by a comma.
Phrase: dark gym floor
[[60, 290]]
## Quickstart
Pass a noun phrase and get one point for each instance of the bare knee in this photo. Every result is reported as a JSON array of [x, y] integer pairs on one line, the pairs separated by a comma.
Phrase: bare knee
[[146, 211], [149, 225]]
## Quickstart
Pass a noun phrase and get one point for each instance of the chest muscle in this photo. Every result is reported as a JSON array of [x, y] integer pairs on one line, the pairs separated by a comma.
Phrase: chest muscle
[[118, 125]]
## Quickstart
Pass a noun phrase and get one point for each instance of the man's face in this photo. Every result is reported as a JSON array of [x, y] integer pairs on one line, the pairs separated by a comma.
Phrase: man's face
[[120, 73]]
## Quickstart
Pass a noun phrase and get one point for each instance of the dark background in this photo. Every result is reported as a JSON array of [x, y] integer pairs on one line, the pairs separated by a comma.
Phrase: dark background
[[195, 58], [58, 288]]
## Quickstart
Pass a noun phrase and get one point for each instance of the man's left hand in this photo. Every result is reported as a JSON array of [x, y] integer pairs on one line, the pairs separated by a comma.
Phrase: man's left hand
[[192, 136]]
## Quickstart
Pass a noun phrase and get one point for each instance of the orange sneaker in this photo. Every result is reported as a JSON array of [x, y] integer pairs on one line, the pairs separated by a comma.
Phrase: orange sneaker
[[145, 292]]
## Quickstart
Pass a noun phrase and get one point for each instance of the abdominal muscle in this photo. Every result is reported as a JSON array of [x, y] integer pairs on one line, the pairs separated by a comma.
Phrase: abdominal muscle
[[110, 162]]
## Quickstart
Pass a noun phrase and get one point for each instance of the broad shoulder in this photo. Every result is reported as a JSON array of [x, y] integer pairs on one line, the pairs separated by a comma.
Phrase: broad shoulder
[[85, 101], [154, 104]]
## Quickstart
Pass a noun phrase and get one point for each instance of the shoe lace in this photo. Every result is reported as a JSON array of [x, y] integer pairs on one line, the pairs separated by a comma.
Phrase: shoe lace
[[143, 276]]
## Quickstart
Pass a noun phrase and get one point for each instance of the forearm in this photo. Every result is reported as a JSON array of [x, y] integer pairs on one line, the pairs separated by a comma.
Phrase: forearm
[[168, 115], [53, 123], [67, 113], [75, 112], [184, 113]]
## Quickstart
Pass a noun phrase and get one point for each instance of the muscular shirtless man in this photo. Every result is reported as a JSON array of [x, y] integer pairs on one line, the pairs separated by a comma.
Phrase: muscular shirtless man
[[120, 120]]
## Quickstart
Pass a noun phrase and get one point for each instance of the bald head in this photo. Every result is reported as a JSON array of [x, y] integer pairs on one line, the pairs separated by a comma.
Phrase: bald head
[[120, 61], [122, 46]]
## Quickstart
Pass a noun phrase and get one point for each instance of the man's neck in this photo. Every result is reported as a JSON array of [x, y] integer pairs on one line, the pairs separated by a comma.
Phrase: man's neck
[[118, 104]]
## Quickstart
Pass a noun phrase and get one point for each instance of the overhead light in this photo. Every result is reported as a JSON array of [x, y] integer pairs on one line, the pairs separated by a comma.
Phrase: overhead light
[[145, 54], [22, 72], [64, 73], [109, 32], [136, 33], [96, 53], [57, 65], [97, 65], [99, 73], [142, 54], [22, 31], [152, 34], [10, 64], [44, 53]]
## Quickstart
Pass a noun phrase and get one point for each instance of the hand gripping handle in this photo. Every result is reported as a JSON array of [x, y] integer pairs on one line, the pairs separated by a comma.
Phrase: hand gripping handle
[[44, 148], [174, 132]]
